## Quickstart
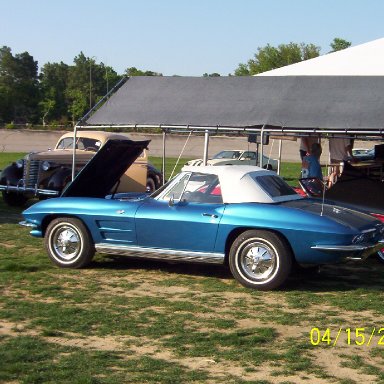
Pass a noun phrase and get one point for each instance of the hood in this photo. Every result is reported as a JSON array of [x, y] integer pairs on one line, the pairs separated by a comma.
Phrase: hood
[[61, 156], [105, 169]]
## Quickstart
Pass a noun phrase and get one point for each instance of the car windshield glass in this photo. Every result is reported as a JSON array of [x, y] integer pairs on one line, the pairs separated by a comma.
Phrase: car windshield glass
[[202, 188], [247, 155], [83, 143], [274, 186], [177, 189], [88, 144], [227, 155], [65, 143]]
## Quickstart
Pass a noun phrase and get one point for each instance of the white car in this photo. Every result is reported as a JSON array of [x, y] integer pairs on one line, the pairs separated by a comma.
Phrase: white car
[[237, 157], [363, 153]]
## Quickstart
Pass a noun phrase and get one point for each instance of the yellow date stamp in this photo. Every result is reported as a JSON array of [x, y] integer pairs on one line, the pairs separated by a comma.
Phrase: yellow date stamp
[[351, 336]]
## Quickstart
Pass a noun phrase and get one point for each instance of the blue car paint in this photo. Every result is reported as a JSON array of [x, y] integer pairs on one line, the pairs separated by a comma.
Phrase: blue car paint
[[196, 227], [300, 228], [184, 226]]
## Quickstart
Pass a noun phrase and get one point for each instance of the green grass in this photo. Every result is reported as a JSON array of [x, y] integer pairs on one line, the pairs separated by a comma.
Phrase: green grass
[[290, 171], [8, 157], [128, 321]]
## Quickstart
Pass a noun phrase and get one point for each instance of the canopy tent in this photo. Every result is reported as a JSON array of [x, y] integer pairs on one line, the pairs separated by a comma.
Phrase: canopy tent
[[361, 60], [341, 104], [275, 105]]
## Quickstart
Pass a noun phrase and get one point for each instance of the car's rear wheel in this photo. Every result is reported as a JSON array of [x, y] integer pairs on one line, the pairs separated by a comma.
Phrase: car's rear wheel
[[68, 243], [260, 259]]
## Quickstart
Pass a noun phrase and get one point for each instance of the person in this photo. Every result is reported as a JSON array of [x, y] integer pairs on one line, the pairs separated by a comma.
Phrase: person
[[306, 143], [311, 163], [340, 150]]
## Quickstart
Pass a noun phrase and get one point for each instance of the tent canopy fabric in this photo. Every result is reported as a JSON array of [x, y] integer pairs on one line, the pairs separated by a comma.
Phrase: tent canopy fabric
[[361, 60], [297, 102]]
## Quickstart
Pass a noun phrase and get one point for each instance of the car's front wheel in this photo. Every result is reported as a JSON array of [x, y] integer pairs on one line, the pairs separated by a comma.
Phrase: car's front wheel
[[380, 255], [260, 259], [68, 243]]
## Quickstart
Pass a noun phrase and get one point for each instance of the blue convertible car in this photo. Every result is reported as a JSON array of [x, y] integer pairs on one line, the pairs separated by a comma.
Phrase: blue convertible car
[[243, 216]]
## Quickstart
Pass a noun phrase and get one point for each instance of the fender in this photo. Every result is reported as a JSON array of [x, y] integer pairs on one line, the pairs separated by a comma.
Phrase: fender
[[11, 175], [58, 180]]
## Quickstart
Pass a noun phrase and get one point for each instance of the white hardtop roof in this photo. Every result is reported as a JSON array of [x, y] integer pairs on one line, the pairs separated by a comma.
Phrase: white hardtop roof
[[238, 183], [361, 60]]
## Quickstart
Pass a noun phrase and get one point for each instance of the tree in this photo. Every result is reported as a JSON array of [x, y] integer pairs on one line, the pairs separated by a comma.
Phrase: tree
[[133, 71], [88, 82], [214, 74], [53, 85], [268, 57], [110, 76], [19, 92], [339, 44]]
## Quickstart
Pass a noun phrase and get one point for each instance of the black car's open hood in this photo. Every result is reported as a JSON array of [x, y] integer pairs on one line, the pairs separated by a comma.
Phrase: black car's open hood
[[105, 169]]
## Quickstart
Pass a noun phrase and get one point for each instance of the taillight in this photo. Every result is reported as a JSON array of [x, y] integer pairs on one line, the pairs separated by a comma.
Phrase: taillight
[[378, 216]]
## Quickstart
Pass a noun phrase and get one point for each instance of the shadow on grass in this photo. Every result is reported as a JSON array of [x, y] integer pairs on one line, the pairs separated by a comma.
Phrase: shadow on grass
[[367, 275], [12, 215], [126, 263]]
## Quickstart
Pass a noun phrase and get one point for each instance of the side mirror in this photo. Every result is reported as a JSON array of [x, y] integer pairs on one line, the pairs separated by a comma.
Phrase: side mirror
[[171, 201]]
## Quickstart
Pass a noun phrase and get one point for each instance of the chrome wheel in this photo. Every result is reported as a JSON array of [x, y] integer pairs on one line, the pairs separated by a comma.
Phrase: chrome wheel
[[69, 243], [260, 259], [66, 242]]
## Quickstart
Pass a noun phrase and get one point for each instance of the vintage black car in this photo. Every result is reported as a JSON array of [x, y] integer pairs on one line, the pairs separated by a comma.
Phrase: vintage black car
[[45, 174]]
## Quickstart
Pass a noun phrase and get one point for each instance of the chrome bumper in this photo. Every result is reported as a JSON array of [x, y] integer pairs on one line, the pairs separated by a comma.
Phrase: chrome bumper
[[27, 224], [353, 251], [28, 190]]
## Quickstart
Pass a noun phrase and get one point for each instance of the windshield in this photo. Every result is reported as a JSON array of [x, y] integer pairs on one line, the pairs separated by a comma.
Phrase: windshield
[[191, 188], [227, 155]]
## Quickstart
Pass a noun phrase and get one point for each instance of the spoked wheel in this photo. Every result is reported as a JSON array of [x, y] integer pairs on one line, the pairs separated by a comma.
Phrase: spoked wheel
[[380, 255], [69, 243], [260, 259], [151, 186]]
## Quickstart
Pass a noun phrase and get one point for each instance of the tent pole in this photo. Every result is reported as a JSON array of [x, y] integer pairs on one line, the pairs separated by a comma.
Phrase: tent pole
[[261, 155], [279, 160], [206, 143], [74, 152], [163, 165]]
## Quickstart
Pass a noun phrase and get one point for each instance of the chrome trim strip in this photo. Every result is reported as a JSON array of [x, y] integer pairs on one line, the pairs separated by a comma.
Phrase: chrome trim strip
[[341, 248], [161, 254], [349, 248], [359, 252], [35, 191]]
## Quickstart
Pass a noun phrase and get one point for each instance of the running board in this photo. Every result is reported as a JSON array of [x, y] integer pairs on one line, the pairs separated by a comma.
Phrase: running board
[[161, 254]]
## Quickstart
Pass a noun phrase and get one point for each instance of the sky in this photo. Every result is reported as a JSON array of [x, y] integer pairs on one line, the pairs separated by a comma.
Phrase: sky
[[180, 37]]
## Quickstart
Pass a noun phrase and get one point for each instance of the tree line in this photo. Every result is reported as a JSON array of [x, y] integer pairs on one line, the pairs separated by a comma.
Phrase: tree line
[[60, 94]]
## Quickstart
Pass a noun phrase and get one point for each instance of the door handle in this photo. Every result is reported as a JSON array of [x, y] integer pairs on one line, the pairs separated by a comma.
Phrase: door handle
[[210, 215]]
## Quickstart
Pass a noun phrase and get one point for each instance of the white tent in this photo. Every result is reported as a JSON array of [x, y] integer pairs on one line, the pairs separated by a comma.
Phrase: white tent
[[361, 60]]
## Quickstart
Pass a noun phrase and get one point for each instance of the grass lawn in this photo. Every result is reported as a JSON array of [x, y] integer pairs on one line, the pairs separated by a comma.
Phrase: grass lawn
[[126, 321]]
